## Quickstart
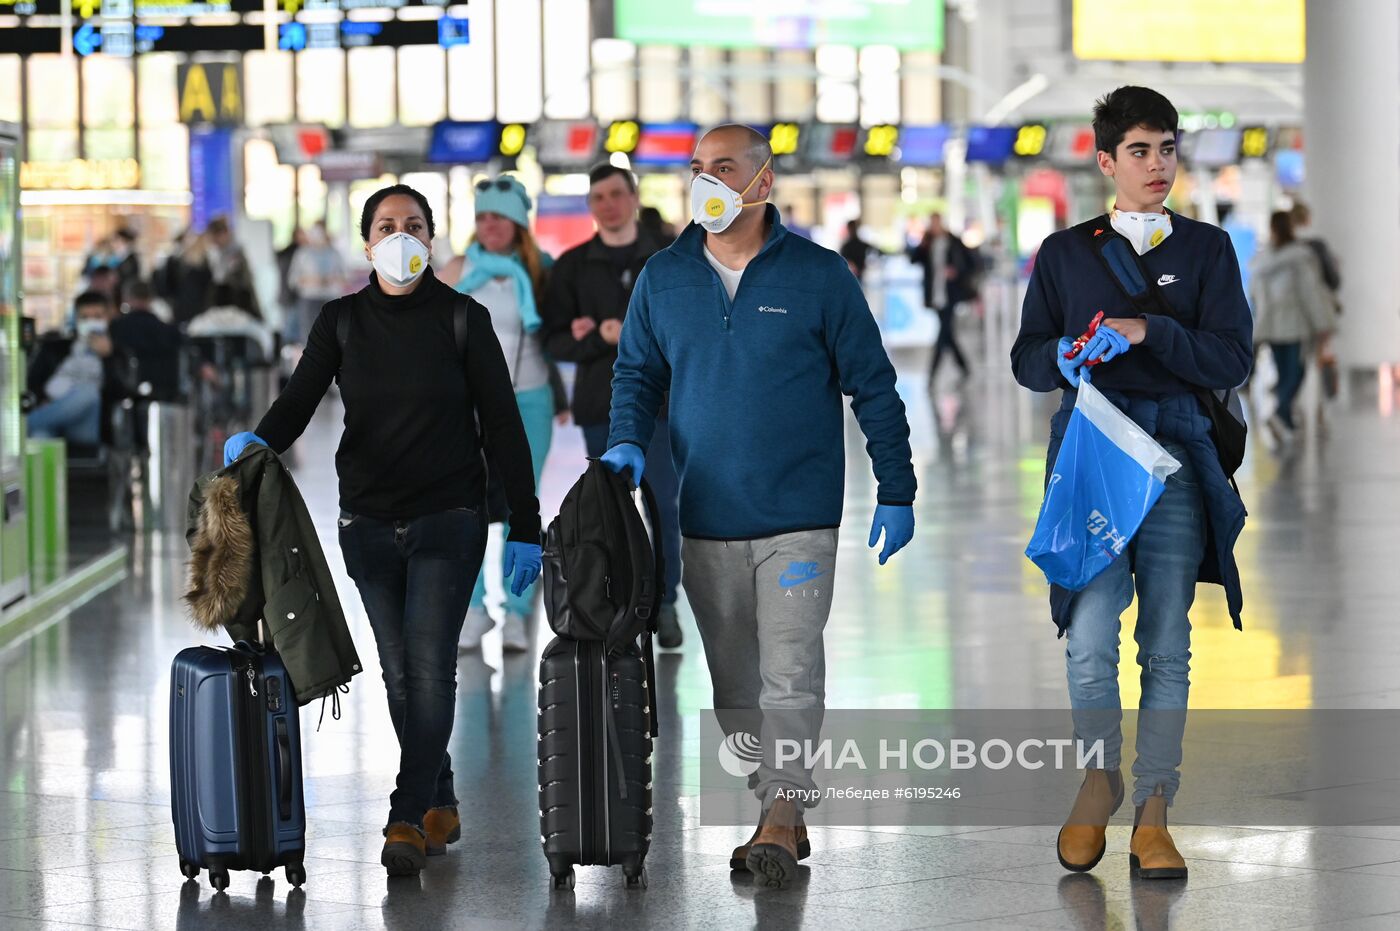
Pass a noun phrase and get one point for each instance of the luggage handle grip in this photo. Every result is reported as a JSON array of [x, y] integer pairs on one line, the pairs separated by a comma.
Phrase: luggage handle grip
[[284, 770]]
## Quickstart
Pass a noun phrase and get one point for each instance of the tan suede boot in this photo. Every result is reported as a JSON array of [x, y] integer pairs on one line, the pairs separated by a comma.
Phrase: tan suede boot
[[1153, 854], [404, 853], [772, 855], [443, 827], [1082, 840], [739, 859]]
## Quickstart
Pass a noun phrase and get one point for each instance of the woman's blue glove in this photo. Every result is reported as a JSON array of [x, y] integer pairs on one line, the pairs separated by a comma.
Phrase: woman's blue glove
[[626, 456], [523, 562], [239, 442], [1106, 345], [897, 522], [1072, 369]]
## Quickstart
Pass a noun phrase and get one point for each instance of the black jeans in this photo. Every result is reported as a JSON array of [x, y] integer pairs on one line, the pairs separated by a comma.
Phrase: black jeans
[[947, 340], [415, 577]]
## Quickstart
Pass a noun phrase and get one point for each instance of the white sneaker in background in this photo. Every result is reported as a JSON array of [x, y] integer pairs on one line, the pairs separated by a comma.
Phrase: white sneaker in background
[[476, 625], [513, 636]]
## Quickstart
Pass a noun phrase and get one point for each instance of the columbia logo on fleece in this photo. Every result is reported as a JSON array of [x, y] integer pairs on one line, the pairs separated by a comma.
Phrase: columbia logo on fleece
[[765, 309]]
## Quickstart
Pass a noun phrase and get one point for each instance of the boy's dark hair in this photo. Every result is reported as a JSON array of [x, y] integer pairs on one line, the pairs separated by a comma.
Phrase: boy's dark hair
[[607, 170], [378, 197], [1129, 107], [88, 298]]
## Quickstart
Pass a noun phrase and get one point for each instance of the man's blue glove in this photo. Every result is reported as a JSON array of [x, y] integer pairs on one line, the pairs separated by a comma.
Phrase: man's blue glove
[[1072, 369], [522, 561], [239, 442], [897, 522], [1106, 345], [625, 456]]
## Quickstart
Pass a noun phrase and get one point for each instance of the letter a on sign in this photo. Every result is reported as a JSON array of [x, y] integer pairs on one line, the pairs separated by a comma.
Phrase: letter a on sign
[[196, 98], [230, 100]]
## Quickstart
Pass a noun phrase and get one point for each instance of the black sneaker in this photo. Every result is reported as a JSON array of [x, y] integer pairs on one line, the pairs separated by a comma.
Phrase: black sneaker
[[668, 628]]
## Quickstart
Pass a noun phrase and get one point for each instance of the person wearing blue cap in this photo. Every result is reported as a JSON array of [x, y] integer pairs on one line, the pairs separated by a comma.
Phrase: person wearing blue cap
[[505, 270]]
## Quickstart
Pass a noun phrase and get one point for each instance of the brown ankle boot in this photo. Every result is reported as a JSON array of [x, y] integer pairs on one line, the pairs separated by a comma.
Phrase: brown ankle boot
[[1082, 840], [772, 855], [443, 827], [1153, 855], [404, 853], [739, 859]]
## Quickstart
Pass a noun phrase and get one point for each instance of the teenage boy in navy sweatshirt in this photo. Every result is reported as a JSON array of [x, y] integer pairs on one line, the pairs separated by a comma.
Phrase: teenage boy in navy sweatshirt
[[758, 333], [1152, 367]]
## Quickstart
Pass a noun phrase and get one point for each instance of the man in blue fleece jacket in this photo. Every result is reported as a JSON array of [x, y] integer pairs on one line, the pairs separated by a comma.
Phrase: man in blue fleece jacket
[[757, 334], [1153, 367]]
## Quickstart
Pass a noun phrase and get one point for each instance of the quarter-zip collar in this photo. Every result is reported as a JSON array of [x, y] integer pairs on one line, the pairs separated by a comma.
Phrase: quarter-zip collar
[[691, 243]]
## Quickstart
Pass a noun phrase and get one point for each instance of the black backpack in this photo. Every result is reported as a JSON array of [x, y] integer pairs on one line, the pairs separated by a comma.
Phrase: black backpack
[[602, 572]]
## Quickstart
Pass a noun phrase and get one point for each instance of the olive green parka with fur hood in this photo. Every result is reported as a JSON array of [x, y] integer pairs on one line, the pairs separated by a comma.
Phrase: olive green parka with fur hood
[[255, 555]]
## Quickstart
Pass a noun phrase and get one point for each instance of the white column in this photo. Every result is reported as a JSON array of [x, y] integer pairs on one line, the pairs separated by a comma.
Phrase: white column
[[1351, 131]]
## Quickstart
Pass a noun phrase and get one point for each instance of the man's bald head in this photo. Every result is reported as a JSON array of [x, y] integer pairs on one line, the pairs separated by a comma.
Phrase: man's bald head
[[738, 141]]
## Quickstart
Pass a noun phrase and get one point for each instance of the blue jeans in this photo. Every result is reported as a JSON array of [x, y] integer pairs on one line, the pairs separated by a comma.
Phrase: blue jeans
[[537, 414], [660, 473], [1166, 555], [75, 417], [1288, 359], [415, 579]]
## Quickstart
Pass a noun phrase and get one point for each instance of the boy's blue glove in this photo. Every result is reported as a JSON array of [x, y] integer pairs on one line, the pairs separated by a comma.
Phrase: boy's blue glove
[[523, 562], [1105, 345], [625, 456], [897, 522], [235, 445], [1072, 369]]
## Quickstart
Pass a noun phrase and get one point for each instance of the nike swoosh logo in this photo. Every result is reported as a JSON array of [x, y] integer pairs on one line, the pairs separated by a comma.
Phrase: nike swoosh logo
[[1165, 279], [788, 581]]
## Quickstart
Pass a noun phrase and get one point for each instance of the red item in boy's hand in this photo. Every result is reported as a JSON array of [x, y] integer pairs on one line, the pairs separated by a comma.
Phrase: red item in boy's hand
[[1084, 338]]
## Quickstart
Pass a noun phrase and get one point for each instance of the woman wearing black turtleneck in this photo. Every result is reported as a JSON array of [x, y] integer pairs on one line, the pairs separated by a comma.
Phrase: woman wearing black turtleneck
[[413, 487]]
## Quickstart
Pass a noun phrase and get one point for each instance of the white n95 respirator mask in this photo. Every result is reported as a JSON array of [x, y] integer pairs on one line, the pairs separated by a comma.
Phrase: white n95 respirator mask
[[400, 258], [714, 205], [1146, 231]]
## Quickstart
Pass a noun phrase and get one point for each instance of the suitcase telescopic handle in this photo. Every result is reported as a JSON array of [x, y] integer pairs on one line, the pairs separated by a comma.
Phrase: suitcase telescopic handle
[[284, 770]]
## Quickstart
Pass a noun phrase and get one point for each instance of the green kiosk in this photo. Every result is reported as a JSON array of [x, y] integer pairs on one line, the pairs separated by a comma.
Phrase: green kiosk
[[14, 524]]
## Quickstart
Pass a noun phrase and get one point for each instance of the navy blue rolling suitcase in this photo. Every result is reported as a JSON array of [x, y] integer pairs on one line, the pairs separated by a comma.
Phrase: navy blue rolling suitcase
[[235, 764]]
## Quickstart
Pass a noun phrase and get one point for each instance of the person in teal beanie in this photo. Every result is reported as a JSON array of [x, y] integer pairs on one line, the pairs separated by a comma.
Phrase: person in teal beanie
[[505, 271]]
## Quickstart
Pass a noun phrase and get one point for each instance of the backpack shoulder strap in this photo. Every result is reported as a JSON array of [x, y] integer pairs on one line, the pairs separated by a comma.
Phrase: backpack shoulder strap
[[1126, 267], [461, 307]]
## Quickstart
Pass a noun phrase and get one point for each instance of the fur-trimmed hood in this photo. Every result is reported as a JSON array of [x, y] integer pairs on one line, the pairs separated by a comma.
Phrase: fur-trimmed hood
[[221, 557]]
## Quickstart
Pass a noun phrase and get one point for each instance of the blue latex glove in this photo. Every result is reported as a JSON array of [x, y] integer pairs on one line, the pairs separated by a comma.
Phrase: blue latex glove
[[239, 442], [1106, 345], [522, 562], [1072, 369], [897, 522], [626, 456]]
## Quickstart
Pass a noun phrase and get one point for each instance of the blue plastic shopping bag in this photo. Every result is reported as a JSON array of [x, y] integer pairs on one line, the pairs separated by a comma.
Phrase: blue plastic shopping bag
[[1107, 476]]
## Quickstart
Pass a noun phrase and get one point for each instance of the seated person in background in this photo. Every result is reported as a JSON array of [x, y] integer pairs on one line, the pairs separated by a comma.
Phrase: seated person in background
[[154, 343], [71, 376]]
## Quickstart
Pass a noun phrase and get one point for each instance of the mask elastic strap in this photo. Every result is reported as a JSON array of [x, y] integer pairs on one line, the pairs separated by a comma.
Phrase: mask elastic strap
[[755, 203]]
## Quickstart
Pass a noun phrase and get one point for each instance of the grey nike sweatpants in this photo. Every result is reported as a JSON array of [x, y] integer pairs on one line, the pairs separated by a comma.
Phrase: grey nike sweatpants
[[761, 606]]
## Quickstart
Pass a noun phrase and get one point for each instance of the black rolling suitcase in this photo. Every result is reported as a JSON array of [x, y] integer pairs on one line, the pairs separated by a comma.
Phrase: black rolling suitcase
[[597, 700], [235, 764], [595, 730]]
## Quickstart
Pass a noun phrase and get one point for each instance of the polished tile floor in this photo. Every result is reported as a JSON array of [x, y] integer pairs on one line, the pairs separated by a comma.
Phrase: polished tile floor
[[957, 620]]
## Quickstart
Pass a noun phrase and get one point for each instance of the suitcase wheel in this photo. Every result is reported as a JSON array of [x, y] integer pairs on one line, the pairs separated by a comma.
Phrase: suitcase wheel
[[189, 870], [296, 874], [218, 879], [637, 880], [564, 880]]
